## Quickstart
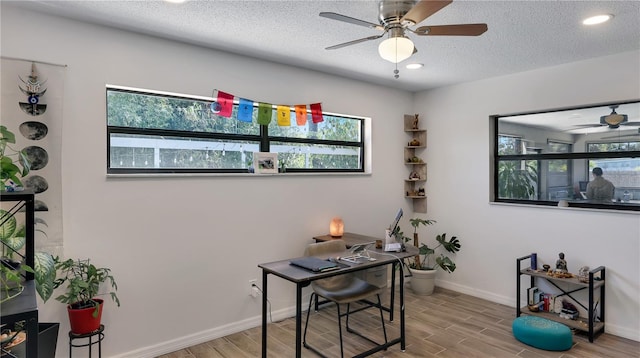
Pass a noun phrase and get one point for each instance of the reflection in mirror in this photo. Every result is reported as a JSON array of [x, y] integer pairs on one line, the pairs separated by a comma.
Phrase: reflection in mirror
[[550, 156]]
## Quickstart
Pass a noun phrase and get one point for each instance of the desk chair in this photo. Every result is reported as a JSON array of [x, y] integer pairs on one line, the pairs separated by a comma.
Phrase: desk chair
[[341, 289]]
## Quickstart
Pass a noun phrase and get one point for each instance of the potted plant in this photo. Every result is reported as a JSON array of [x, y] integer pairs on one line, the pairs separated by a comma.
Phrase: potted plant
[[14, 164], [430, 258], [83, 281]]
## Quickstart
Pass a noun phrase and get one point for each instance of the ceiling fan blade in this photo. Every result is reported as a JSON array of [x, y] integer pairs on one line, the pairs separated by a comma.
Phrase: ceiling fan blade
[[351, 20], [630, 124], [452, 30], [354, 42], [424, 9]]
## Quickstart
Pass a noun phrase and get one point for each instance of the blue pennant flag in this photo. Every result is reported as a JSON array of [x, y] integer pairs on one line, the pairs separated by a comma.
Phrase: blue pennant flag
[[245, 110]]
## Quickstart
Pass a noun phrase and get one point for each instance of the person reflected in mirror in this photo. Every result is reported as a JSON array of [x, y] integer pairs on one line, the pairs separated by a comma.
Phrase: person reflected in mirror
[[599, 188]]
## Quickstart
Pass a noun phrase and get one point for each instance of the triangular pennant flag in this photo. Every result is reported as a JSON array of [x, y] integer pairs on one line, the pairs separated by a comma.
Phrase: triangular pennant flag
[[284, 116], [245, 110], [316, 112], [264, 113], [301, 114], [226, 104]]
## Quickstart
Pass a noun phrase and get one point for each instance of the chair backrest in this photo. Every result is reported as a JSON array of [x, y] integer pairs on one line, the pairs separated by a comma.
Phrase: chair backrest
[[325, 247]]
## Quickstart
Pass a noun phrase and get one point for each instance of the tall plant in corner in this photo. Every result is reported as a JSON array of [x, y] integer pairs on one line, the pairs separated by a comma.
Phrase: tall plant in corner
[[14, 164], [516, 181]]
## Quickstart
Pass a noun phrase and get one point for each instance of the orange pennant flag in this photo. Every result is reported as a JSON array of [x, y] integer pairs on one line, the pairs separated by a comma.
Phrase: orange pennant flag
[[301, 114], [316, 112], [284, 115]]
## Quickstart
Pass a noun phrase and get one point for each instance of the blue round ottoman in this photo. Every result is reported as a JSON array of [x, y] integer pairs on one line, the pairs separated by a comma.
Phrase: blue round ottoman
[[542, 333]]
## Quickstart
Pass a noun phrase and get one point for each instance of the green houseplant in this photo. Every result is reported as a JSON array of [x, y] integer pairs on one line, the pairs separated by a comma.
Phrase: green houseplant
[[14, 164], [83, 281], [431, 256]]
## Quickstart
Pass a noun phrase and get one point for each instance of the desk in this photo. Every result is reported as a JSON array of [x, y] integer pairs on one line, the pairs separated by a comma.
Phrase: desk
[[302, 278]]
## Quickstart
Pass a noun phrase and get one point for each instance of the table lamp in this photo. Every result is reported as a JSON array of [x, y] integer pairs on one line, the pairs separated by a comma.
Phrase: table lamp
[[336, 227]]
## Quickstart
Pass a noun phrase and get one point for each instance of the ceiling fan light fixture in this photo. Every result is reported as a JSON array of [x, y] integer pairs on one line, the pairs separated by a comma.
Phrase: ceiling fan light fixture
[[598, 19], [396, 49]]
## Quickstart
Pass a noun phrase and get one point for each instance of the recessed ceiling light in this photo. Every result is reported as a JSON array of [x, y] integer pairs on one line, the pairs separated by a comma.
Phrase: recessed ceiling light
[[414, 66], [176, 1], [598, 19]]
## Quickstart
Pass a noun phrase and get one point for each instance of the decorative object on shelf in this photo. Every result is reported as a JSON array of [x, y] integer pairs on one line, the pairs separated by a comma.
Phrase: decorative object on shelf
[[583, 274], [561, 264], [336, 227], [83, 281], [546, 267], [417, 168], [534, 261], [265, 163]]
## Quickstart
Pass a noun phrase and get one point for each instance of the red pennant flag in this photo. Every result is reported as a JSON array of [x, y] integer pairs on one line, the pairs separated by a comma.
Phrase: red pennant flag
[[316, 112], [301, 114], [226, 104]]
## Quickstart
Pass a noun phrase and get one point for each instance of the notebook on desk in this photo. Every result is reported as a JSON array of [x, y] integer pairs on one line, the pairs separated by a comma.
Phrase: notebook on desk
[[314, 264]]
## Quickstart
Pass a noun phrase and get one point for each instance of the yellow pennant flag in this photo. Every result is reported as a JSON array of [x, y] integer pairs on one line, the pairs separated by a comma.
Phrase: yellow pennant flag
[[284, 116], [301, 114]]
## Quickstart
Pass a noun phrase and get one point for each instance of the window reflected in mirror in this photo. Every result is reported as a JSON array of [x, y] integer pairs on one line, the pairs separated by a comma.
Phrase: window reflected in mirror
[[549, 157]]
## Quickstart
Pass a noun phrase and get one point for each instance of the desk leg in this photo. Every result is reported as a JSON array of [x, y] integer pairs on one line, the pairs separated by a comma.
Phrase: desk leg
[[298, 320], [264, 314], [394, 268], [403, 342]]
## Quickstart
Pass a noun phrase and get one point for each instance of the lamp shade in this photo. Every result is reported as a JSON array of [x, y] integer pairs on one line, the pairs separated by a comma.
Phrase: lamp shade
[[396, 49], [336, 227]]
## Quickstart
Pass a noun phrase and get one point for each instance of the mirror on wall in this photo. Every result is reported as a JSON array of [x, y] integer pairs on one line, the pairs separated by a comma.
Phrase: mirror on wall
[[548, 157]]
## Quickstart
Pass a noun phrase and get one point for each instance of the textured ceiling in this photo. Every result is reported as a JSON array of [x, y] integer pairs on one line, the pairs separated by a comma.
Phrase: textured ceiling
[[522, 35]]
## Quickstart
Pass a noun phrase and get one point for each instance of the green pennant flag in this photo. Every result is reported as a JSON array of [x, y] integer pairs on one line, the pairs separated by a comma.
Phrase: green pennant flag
[[265, 111]]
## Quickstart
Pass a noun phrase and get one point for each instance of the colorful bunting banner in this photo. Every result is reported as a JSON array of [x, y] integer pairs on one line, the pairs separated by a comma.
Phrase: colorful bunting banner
[[226, 104], [301, 114], [284, 115], [316, 112], [245, 110], [264, 113], [223, 107]]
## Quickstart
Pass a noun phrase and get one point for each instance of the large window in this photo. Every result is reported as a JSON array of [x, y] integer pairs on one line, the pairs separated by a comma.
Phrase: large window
[[547, 157], [151, 132]]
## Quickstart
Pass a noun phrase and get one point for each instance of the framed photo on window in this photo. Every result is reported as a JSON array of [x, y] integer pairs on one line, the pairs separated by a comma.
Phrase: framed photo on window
[[265, 163]]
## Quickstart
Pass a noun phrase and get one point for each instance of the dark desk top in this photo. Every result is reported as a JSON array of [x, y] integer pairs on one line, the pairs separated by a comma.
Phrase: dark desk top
[[349, 238], [296, 274]]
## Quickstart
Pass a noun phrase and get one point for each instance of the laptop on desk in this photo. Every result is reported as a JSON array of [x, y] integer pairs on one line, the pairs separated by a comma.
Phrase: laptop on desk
[[314, 264]]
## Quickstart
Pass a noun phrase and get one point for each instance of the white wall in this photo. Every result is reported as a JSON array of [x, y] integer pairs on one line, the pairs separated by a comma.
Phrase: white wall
[[183, 249], [457, 119]]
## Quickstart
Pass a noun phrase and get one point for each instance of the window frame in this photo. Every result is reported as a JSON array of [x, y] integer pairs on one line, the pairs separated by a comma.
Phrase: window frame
[[263, 139]]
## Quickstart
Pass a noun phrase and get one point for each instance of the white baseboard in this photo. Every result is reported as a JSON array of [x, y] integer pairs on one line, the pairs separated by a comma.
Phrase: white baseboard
[[218, 332]]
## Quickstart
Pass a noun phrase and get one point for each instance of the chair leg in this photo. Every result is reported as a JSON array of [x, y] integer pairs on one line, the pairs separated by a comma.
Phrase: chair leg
[[306, 324], [384, 330], [340, 327]]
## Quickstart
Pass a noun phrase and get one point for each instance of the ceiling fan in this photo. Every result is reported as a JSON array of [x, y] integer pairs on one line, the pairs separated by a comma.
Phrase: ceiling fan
[[396, 18], [612, 120]]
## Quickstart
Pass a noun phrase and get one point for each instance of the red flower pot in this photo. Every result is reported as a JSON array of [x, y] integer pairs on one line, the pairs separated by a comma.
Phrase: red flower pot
[[82, 320]]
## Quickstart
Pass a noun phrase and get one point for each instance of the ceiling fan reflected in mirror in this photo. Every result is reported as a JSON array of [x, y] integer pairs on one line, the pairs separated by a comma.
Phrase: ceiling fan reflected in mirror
[[395, 19], [612, 120]]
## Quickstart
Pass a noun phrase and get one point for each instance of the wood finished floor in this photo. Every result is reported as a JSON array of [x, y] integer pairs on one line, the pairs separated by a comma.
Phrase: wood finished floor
[[445, 324]]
